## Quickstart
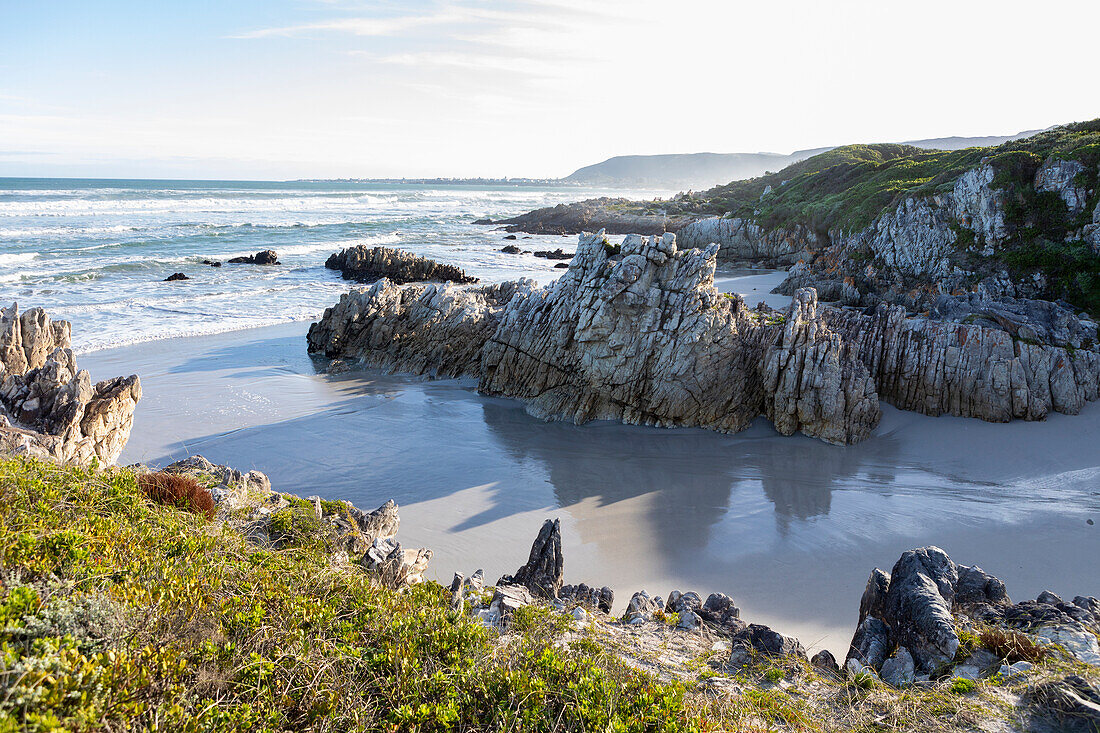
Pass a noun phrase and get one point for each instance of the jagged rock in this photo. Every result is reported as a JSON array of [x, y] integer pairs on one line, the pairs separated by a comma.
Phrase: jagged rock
[[1049, 598], [394, 566], [368, 264], [899, 670], [601, 598], [380, 524], [641, 608], [543, 573], [175, 276], [873, 601], [233, 489], [266, 257], [507, 599], [511, 249], [760, 639], [918, 606], [936, 367], [53, 410], [977, 587], [689, 620], [683, 602], [645, 339]]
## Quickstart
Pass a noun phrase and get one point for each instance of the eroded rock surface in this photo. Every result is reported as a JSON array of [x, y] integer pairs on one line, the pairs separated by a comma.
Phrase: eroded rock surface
[[545, 567], [49, 408], [641, 337], [367, 264]]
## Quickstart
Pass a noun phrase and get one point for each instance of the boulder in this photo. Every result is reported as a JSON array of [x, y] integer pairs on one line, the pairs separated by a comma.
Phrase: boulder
[[641, 608], [368, 264], [870, 644], [266, 257], [720, 610], [759, 639], [176, 276], [899, 670], [511, 249], [826, 662], [918, 606], [556, 254], [543, 573], [507, 599]]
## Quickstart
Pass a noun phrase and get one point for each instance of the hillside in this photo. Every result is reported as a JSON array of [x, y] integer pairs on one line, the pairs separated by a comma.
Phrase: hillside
[[702, 170]]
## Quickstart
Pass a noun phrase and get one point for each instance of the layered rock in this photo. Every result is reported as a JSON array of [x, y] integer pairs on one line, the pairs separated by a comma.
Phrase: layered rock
[[641, 337], [995, 372], [48, 407], [367, 264], [545, 568]]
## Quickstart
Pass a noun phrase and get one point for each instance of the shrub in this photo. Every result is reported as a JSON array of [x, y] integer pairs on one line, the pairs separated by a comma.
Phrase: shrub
[[181, 492], [1012, 646]]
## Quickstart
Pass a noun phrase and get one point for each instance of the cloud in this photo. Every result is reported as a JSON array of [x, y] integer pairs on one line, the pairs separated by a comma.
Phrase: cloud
[[357, 26]]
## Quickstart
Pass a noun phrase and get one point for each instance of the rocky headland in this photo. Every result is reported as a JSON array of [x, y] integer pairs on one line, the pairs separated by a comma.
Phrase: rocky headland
[[368, 264], [48, 407], [636, 334]]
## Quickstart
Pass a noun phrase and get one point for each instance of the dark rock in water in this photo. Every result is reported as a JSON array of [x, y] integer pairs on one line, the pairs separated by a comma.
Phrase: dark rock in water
[[511, 236], [1074, 702], [484, 222], [266, 257], [367, 264], [601, 598], [918, 606], [824, 660], [176, 276], [545, 567], [556, 254], [511, 249], [760, 639], [212, 263], [561, 266]]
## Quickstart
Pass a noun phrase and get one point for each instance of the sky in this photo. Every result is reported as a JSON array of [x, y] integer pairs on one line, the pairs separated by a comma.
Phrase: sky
[[274, 89]]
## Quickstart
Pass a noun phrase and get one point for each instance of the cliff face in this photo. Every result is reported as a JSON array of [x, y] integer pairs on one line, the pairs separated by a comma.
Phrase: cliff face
[[642, 337], [48, 407]]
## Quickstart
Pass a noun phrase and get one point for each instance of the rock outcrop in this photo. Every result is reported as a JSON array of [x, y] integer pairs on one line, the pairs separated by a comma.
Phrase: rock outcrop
[[271, 518], [589, 216], [641, 337], [910, 619], [48, 407], [367, 264], [266, 257], [545, 568]]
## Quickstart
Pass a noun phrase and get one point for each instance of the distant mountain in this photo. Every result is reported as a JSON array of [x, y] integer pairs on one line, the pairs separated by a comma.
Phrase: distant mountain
[[701, 171]]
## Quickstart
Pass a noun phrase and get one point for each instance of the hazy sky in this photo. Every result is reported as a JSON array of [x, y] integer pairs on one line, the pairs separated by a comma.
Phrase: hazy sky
[[325, 88]]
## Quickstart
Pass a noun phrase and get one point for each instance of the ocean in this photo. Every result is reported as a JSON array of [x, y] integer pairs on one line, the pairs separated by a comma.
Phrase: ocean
[[96, 252]]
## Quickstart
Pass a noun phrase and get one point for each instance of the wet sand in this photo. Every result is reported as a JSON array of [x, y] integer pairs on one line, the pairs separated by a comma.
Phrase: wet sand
[[788, 526]]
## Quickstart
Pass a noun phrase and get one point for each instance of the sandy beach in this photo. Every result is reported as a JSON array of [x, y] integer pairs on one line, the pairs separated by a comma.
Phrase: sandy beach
[[789, 527]]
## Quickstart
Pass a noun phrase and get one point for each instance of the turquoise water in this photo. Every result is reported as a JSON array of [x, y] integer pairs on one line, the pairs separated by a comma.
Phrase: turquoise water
[[96, 252]]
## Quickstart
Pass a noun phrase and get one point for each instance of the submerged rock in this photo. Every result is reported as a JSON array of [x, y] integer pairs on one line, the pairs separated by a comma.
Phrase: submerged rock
[[644, 339], [368, 264], [50, 408]]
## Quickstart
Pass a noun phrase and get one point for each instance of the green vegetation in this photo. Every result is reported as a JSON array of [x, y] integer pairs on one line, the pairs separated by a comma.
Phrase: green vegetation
[[118, 614]]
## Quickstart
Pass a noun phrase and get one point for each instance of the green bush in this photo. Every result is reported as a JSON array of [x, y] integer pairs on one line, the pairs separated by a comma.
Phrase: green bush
[[162, 621]]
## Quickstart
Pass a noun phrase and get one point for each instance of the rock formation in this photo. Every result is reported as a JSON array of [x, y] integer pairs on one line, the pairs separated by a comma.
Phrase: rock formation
[[350, 534], [588, 216], [49, 408], [266, 257], [542, 575], [367, 264], [641, 336]]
